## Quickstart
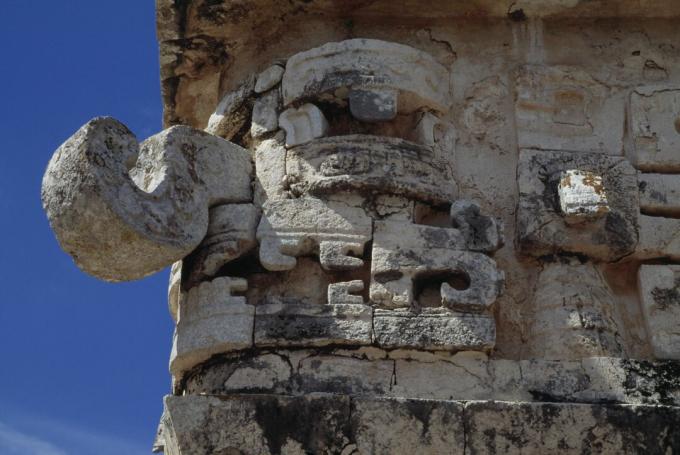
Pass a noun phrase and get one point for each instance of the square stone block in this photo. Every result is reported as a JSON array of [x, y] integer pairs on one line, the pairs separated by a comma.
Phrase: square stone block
[[660, 297]]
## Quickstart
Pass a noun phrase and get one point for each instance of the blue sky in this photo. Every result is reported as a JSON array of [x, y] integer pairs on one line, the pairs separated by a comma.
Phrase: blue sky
[[83, 363]]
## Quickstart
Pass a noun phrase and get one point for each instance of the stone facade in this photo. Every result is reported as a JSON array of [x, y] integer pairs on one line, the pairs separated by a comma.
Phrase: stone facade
[[396, 229]]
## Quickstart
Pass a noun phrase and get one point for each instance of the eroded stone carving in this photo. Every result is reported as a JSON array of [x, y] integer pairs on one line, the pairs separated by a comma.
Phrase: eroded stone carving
[[659, 194], [233, 111], [660, 297], [345, 292], [581, 196], [124, 210], [303, 124], [655, 125]]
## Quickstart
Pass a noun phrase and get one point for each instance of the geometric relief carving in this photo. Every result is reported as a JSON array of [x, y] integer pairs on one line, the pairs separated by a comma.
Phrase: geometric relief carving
[[655, 127], [660, 297]]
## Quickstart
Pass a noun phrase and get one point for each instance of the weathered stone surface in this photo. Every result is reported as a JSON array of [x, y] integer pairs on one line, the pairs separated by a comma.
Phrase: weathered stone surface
[[124, 211], [482, 233], [211, 321], [373, 105], [573, 316], [368, 64], [268, 78], [570, 428], [345, 292], [233, 111], [174, 289], [660, 297], [433, 330], [564, 108], [303, 124], [581, 196], [270, 169], [659, 194], [655, 125], [265, 117], [296, 227], [312, 325], [231, 234], [342, 374], [659, 238], [543, 229], [401, 258], [397, 427], [370, 165]]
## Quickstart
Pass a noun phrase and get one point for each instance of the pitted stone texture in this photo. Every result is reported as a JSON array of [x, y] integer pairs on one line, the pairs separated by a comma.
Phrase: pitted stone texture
[[655, 125], [231, 234], [660, 297], [312, 325], [233, 111], [296, 227], [375, 105], [482, 233], [211, 321], [124, 211], [564, 108], [346, 292], [570, 428], [404, 253], [659, 238], [303, 124], [371, 165], [265, 117], [433, 330], [542, 228], [573, 316], [368, 64], [581, 196], [269, 78], [270, 169], [659, 194]]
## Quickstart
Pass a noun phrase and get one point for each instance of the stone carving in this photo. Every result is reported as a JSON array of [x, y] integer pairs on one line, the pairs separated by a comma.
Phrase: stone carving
[[374, 105], [564, 108], [265, 114], [370, 164], [660, 297], [124, 210], [659, 238], [655, 125], [233, 111], [296, 227], [542, 226], [303, 124], [659, 194], [268, 78], [581, 196], [345, 292], [368, 64]]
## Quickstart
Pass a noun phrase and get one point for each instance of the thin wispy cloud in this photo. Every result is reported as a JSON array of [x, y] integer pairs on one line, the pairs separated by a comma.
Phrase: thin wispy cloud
[[16, 442]]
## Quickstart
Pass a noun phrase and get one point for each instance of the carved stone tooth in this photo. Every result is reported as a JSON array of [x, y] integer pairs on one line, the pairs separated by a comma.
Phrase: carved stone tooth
[[123, 211], [303, 124], [343, 293], [268, 78], [373, 105]]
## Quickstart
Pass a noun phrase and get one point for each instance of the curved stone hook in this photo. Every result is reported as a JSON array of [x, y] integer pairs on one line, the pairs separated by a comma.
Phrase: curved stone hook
[[124, 210]]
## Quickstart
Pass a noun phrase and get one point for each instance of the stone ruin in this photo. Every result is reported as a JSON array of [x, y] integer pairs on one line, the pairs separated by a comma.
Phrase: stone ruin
[[398, 229]]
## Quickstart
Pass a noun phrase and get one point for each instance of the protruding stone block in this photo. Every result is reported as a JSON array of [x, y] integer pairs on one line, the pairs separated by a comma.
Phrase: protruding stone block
[[368, 64], [659, 238], [482, 233], [265, 118], [174, 289], [370, 164], [542, 226], [581, 196], [211, 321], [345, 292], [268, 78], [659, 194], [270, 169], [312, 325], [373, 105], [655, 125], [231, 234], [660, 297], [303, 124], [295, 227], [124, 211], [233, 111], [434, 330], [564, 108]]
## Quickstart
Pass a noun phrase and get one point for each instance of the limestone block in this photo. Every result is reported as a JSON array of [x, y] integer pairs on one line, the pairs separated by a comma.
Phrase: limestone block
[[345, 292], [660, 297], [573, 314], [174, 289], [370, 164], [373, 105], [659, 194], [303, 124], [312, 325], [265, 118], [257, 375], [268, 78], [270, 169], [255, 424], [233, 111], [581, 196], [368, 64], [433, 330], [401, 258], [211, 321], [400, 427], [542, 226], [341, 374], [564, 108], [655, 125], [659, 238], [482, 233], [570, 428], [231, 234], [124, 211], [296, 227]]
